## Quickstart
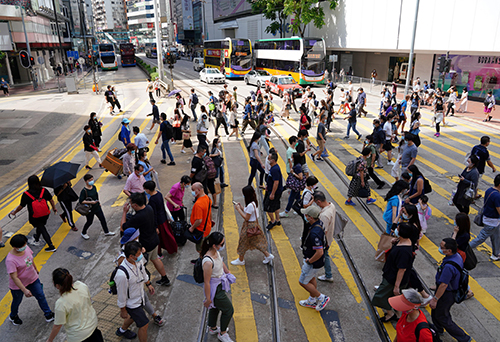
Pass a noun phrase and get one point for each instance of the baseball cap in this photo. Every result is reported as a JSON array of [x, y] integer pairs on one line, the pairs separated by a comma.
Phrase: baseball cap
[[129, 234], [400, 303], [312, 211], [125, 120]]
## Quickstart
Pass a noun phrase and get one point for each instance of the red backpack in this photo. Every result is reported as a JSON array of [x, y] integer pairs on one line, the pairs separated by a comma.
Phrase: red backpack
[[39, 205]]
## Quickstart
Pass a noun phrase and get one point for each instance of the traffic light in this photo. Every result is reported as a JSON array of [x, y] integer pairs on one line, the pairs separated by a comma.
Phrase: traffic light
[[24, 59], [32, 61], [447, 66], [52, 61], [441, 63]]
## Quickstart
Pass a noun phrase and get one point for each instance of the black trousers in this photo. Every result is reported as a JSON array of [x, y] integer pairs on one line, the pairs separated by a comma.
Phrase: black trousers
[[221, 121], [67, 207], [441, 317], [374, 176], [90, 219], [41, 230], [97, 140]]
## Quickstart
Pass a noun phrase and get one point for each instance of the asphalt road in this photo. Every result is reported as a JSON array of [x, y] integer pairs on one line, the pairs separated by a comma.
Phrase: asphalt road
[[346, 318]]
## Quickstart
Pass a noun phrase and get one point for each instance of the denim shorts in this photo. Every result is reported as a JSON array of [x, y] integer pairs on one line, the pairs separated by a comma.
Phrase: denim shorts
[[307, 273]]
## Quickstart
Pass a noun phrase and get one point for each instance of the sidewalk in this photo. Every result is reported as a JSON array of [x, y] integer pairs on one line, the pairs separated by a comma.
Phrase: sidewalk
[[50, 86]]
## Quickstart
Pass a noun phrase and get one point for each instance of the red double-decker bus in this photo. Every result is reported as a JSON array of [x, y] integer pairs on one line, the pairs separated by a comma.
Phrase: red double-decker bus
[[127, 52]]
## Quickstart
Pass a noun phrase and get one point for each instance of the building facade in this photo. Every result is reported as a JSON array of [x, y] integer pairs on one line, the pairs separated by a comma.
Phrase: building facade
[[109, 15]]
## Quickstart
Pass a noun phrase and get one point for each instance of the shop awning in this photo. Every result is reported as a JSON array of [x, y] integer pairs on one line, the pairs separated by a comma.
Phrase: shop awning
[[229, 25]]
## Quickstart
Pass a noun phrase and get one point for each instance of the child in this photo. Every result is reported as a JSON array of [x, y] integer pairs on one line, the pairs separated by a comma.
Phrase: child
[[424, 212]]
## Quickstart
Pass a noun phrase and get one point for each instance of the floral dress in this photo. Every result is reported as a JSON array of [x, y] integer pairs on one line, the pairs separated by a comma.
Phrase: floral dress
[[355, 184]]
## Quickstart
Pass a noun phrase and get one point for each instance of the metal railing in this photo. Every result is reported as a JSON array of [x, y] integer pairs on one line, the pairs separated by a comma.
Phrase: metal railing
[[374, 87]]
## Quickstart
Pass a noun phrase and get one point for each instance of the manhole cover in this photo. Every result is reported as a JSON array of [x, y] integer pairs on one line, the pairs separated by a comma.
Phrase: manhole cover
[[29, 133], [6, 161]]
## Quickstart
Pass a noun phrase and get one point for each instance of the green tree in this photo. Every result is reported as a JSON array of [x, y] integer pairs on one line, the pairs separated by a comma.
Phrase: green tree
[[273, 10], [2, 56], [305, 11]]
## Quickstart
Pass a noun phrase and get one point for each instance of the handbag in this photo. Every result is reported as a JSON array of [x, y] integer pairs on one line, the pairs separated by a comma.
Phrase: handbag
[[363, 193], [84, 209], [470, 193], [384, 244], [470, 259], [255, 230], [478, 220]]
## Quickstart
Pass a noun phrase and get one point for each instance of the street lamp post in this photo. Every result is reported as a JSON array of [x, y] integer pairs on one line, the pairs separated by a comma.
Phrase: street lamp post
[[410, 63], [159, 45]]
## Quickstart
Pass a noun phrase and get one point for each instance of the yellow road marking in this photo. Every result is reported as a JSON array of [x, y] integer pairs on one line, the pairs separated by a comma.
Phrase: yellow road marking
[[311, 319], [77, 146], [244, 320], [487, 301]]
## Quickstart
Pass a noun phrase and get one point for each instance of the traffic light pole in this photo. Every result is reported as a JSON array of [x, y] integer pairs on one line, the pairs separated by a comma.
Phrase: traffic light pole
[[29, 50], [61, 50], [159, 45], [410, 62]]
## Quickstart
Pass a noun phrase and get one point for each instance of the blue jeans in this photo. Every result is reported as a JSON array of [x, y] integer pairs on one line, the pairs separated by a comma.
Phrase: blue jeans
[[165, 148], [36, 290], [291, 199], [220, 173], [193, 110], [328, 265], [491, 232], [263, 143], [353, 126]]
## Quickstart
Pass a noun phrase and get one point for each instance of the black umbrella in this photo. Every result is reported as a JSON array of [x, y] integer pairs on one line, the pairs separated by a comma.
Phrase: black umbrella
[[59, 173]]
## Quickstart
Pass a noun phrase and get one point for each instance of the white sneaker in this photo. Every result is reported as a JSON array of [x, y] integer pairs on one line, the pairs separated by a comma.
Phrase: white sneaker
[[182, 151], [309, 303], [237, 262], [267, 259], [324, 278], [322, 301], [224, 338], [85, 236], [34, 243], [391, 163], [213, 332], [494, 257], [283, 214], [110, 234]]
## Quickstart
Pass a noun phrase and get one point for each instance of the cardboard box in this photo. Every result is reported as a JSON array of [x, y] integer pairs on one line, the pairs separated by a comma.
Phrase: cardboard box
[[112, 164]]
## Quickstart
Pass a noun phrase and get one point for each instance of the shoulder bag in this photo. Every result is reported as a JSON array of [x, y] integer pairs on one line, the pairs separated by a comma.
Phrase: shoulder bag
[[255, 230], [478, 220], [84, 209]]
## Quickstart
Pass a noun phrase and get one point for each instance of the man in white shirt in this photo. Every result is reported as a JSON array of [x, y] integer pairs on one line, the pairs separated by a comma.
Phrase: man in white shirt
[[140, 140], [327, 216], [388, 138], [130, 279]]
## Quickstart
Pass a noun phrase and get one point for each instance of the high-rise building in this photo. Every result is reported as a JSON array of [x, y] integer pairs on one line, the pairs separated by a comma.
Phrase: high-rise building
[[109, 15], [140, 19]]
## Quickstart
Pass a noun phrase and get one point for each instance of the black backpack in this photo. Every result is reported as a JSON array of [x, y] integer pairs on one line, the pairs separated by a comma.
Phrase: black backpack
[[431, 327], [463, 283], [198, 269], [169, 130], [195, 99], [112, 285], [427, 186]]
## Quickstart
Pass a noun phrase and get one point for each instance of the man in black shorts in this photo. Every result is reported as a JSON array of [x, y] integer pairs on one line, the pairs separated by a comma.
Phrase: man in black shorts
[[273, 192], [130, 279]]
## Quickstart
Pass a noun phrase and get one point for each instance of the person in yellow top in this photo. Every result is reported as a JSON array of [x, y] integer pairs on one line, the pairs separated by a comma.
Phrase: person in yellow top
[[74, 310]]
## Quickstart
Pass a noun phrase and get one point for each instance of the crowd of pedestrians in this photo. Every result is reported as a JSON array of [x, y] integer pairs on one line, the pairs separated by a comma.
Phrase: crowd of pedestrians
[[148, 216]]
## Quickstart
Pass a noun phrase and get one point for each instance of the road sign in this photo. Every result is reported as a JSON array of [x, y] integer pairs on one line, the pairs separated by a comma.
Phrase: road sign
[[40, 60], [72, 54], [333, 58]]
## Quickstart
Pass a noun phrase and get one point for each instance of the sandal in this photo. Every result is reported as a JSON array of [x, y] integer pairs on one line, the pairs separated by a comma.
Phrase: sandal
[[470, 294], [74, 229]]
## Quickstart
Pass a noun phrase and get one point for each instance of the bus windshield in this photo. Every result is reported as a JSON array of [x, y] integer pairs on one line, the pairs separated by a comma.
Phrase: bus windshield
[[127, 49], [108, 59], [106, 48], [313, 59], [241, 55]]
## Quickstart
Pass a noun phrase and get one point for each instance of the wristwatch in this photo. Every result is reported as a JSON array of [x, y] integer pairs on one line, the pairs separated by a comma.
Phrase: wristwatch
[[148, 284]]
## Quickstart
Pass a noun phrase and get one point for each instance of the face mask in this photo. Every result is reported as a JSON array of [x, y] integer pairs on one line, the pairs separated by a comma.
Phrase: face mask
[[204, 120], [133, 152], [405, 217], [89, 131], [205, 154], [222, 248], [367, 142], [91, 182], [141, 173], [440, 250], [305, 219], [297, 144], [410, 174], [396, 232], [22, 249], [374, 126], [193, 193], [186, 186], [403, 138], [139, 258]]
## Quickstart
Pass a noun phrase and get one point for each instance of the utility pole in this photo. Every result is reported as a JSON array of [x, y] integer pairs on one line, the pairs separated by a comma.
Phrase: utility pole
[[410, 63], [29, 50], [59, 36], [159, 45]]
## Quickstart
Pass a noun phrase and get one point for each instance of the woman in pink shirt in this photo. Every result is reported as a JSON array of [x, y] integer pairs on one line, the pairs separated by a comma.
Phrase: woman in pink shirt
[[175, 196], [24, 279]]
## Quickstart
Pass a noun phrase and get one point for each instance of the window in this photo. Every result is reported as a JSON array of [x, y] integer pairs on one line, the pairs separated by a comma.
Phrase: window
[[264, 63], [212, 61]]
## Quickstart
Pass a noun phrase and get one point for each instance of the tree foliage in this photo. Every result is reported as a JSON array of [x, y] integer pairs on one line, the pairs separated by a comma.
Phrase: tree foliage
[[2, 56], [273, 10], [306, 11]]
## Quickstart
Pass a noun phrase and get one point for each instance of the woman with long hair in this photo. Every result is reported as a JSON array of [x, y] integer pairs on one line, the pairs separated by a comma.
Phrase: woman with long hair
[[250, 215], [394, 205], [74, 310], [37, 218], [469, 179], [216, 278], [233, 121], [186, 135], [144, 161], [255, 161], [416, 185], [415, 128]]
